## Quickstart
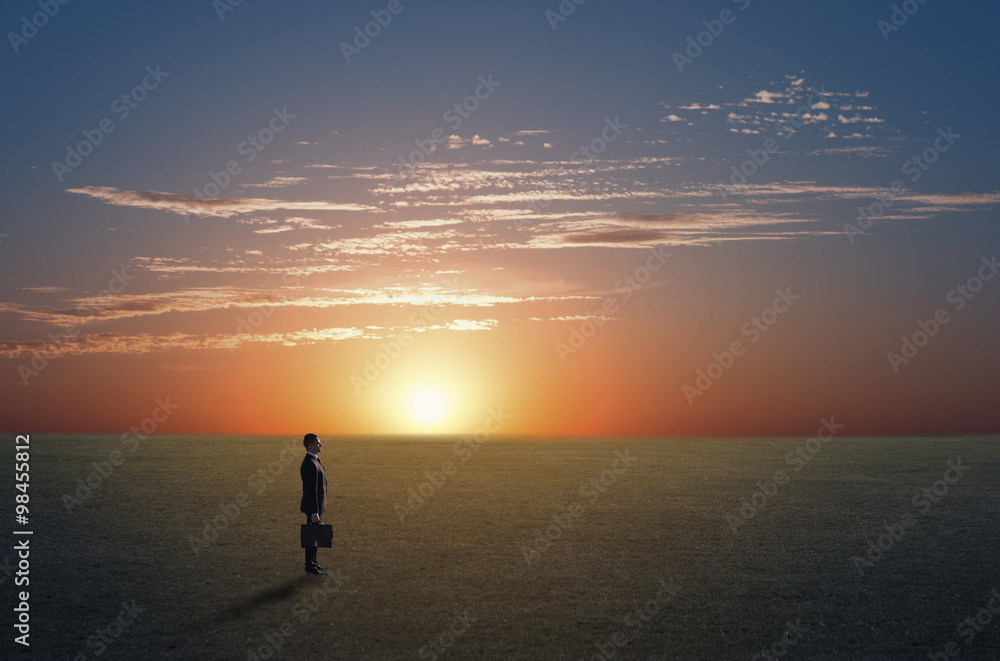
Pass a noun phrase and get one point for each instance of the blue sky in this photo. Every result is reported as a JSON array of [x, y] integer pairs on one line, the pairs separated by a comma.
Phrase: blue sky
[[324, 202]]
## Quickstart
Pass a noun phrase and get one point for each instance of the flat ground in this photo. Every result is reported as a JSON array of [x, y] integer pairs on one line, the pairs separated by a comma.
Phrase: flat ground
[[206, 546]]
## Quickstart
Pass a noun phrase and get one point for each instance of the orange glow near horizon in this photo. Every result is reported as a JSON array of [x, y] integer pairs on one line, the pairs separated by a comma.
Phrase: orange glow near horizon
[[622, 381]]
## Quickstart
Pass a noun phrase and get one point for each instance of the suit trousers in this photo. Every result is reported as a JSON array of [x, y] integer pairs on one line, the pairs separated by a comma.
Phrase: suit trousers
[[310, 550]]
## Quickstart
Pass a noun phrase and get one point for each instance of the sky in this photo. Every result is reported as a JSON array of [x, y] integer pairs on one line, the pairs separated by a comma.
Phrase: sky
[[726, 218]]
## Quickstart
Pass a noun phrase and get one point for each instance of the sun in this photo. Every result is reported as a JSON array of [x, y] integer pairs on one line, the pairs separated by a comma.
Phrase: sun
[[429, 391], [428, 406]]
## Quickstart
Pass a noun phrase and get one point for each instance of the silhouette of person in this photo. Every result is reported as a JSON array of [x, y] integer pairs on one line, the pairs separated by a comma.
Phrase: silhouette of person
[[313, 493]]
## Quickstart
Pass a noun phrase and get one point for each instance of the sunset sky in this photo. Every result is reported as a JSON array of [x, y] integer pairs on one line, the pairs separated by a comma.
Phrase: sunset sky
[[487, 216]]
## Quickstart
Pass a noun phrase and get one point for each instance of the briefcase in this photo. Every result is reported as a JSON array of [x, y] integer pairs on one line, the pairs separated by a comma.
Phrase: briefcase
[[317, 534]]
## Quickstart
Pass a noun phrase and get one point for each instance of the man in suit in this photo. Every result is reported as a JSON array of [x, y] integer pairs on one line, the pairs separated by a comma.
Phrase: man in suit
[[313, 493]]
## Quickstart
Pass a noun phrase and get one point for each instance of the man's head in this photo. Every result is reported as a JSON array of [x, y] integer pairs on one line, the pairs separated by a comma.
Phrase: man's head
[[312, 443]]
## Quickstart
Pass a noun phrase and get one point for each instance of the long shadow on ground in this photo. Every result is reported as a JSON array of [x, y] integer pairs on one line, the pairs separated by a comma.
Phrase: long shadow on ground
[[261, 599]]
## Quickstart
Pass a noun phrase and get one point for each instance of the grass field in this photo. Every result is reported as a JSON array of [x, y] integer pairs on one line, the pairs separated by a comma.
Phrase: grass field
[[206, 546]]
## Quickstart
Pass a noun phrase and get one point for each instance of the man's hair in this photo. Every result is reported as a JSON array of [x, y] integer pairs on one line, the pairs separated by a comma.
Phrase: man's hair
[[309, 438]]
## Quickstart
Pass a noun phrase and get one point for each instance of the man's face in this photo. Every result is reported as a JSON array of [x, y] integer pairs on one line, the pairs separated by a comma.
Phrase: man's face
[[316, 446]]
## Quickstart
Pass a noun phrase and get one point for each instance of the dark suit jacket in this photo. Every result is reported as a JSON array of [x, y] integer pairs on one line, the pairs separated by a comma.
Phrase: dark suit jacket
[[313, 486]]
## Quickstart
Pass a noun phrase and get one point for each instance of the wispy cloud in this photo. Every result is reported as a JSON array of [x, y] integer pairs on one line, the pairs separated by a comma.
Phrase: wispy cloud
[[113, 343], [47, 290], [222, 207], [89, 309], [279, 182]]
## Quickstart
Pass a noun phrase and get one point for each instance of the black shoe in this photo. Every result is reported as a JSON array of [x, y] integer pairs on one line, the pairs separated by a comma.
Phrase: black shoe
[[319, 568], [316, 571]]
